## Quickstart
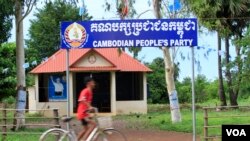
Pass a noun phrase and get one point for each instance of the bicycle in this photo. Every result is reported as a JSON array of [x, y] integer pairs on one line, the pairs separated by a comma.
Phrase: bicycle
[[104, 131]]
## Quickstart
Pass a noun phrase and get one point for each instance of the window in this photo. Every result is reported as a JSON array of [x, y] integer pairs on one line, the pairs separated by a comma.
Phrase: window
[[129, 86], [52, 87]]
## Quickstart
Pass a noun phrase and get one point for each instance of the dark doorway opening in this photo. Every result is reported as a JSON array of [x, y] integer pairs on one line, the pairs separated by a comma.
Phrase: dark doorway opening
[[129, 86], [101, 94]]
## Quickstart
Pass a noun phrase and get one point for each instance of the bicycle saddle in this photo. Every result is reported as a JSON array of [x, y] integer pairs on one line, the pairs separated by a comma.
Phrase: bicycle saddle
[[67, 119]]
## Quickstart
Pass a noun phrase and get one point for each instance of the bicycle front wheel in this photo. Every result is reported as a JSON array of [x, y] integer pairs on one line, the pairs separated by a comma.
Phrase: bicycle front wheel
[[111, 135], [56, 135]]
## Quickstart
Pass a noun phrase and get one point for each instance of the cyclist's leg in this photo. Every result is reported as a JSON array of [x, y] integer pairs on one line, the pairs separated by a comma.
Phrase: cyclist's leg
[[85, 128], [90, 127]]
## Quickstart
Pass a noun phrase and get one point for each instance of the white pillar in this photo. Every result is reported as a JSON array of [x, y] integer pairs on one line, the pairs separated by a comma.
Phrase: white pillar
[[36, 92], [37, 88], [113, 92], [145, 90], [71, 100]]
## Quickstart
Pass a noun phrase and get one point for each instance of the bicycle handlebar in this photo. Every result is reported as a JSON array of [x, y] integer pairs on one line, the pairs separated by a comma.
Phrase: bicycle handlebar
[[92, 110]]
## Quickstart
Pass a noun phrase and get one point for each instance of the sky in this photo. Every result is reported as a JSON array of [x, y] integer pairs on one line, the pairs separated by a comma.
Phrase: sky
[[208, 40]]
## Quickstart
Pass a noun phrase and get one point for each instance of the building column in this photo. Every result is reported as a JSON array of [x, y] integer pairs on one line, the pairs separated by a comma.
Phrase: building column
[[145, 89], [113, 92], [37, 88], [33, 96], [71, 100]]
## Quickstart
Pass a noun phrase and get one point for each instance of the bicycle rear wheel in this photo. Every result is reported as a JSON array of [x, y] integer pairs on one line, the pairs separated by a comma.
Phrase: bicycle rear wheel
[[55, 135], [111, 135]]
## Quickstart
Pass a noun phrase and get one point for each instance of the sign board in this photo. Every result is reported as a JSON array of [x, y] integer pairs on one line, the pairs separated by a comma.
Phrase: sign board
[[129, 33], [57, 88]]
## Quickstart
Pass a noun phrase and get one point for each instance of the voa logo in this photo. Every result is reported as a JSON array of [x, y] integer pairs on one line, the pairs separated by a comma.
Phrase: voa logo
[[236, 132]]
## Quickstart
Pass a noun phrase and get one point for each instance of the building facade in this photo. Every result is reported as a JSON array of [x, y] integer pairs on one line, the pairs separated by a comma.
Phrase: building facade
[[121, 81]]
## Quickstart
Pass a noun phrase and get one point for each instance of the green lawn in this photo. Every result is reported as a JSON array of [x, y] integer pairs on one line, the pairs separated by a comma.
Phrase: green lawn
[[159, 118], [25, 134], [162, 120]]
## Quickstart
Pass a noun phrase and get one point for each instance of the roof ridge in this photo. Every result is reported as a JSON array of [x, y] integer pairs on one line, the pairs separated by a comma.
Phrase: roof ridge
[[88, 50], [112, 63]]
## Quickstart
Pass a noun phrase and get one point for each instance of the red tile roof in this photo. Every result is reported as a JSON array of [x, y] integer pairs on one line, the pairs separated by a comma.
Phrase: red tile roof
[[121, 62]]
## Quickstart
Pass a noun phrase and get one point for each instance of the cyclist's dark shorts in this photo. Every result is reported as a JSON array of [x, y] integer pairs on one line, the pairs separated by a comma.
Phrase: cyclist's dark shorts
[[84, 122]]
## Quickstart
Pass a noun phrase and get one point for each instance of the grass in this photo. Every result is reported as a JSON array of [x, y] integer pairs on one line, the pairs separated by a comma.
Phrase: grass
[[158, 118], [25, 134], [161, 119]]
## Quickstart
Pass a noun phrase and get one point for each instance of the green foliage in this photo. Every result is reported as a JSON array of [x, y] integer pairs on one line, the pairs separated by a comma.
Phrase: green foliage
[[7, 62], [201, 83], [156, 82], [244, 42], [205, 90], [9, 100], [184, 90], [6, 10], [225, 16], [45, 28]]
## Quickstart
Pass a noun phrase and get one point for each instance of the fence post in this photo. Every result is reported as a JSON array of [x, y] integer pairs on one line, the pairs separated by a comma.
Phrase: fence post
[[4, 134], [205, 124], [56, 121], [56, 118]]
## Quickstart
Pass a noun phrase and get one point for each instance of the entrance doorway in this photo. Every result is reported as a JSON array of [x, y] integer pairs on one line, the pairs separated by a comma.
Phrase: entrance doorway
[[101, 94]]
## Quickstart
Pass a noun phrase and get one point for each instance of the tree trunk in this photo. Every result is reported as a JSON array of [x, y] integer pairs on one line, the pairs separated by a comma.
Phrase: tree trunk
[[239, 74], [19, 45], [173, 98], [233, 99], [221, 91], [169, 74], [20, 58]]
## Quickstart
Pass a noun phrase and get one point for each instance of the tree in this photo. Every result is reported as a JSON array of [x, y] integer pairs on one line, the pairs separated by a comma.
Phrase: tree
[[169, 70], [203, 14], [45, 28], [226, 17], [7, 69], [169, 65], [20, 55], [231, 14], [5, 20], [201, 83], [244, 42], [156, 81]]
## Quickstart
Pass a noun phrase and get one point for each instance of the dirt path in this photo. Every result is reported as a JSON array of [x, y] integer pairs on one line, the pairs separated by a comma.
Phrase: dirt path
[[144, 134]]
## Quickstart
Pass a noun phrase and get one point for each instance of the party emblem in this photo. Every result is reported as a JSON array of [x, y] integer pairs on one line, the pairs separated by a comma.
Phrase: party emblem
[[75, 35]]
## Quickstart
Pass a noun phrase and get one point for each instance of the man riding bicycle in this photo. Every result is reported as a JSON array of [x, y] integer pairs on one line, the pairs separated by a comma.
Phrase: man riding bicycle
[[84, 105]]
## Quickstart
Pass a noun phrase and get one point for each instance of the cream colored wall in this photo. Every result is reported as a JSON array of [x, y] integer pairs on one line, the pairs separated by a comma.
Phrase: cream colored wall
[[113, 92], [71, 100], [61, 106], [100, 61], [34, 103], [140, 106], [145, 98], [117, 107], [127, 107], [32, 98]]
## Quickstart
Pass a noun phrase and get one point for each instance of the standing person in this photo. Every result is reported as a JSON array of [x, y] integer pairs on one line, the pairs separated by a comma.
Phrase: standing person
[[84, 104], [58, 86]]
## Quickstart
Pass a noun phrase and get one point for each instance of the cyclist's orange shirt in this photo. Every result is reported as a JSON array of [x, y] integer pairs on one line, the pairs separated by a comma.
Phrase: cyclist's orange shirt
[[85, 95]]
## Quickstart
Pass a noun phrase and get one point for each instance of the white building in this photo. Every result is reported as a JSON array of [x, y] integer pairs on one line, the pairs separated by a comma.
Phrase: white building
[[121, 81]]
